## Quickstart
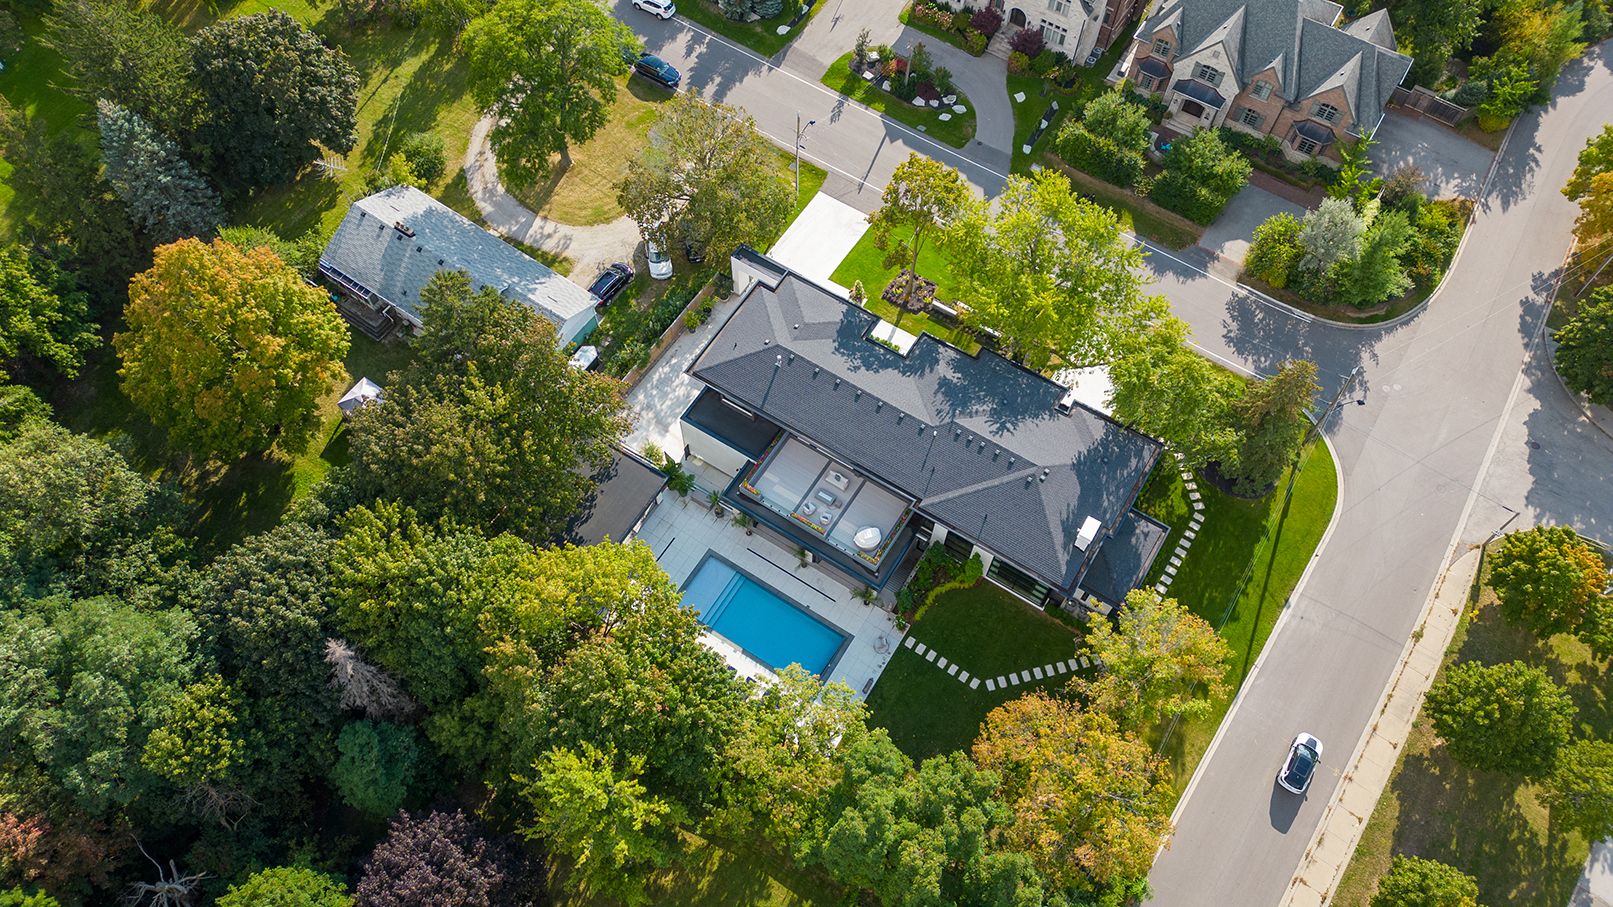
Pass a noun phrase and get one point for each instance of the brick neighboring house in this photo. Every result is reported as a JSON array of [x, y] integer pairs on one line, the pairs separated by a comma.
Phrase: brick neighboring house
[[1269, 67]]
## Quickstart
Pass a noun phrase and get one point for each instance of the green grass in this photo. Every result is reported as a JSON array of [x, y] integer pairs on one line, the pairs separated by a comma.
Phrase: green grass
[[865, 262], [989, 632], [761, 36], [711, 872], [28, 85], [228, 501], [1490, 826], [1239, 572], [955, 132], [1027, 114]]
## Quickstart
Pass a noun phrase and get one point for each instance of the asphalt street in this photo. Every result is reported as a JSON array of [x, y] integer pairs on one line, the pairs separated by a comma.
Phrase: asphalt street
[[1457, 429]]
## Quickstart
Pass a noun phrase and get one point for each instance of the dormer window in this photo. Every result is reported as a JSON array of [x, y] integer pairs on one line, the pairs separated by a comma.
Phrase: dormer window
[[1326, 112], [1162, 48], [1261, 90], [1059, 6], [1207, 74]]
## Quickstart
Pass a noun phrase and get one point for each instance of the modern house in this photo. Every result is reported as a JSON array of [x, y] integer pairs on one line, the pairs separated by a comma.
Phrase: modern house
[[392, 243], [1270, 67], [859, 452]]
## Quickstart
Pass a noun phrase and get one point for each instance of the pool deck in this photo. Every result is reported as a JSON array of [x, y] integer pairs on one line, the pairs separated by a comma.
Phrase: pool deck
[[681, 530]]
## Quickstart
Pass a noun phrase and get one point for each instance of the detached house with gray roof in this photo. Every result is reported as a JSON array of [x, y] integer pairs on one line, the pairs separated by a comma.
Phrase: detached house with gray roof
[[1270, 67], [861, 453], [394, 242]]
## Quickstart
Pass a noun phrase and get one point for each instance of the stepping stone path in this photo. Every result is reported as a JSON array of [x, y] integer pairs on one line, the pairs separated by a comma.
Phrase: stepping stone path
[[1189, 534], [1029, 675]]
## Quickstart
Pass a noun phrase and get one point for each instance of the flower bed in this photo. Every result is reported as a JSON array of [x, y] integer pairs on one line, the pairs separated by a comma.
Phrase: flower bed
[[863, 84], [923, 292]]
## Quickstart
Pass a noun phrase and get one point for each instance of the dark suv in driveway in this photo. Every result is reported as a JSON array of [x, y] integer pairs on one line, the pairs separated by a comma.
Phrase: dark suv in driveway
[[609, 283]]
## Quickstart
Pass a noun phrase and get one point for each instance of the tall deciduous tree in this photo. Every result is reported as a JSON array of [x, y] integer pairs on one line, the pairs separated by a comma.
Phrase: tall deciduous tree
[[1585, 348], [1162, 387], [1053, 274], [43, 314], [1596, 157], [271, 89], [1548, 580], [1154, 662], [603, 818], [377, 764], [1091, 802], [1580, 792], [497, 435], [1415, 882], [1276, 249], [157, 184], [445, 859], [198, 744], [126, 54], [546, 71], [1594, 226], [226, 349], [1376, 274], [1271, 423], [1437, 29], [1509, 718], [707, 173], [923, 196]]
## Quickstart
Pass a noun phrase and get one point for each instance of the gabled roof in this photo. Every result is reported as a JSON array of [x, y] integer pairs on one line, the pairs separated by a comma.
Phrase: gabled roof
[[394, 263], [978, 441], [1298, 38]]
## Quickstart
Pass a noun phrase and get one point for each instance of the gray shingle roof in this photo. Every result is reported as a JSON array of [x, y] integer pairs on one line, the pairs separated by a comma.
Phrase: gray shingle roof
[[978, 441], [1311, 55], [370, 250], [1124, 560]]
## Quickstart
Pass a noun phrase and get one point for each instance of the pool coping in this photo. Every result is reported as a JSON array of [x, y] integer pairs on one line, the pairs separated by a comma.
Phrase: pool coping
[[845, 636]]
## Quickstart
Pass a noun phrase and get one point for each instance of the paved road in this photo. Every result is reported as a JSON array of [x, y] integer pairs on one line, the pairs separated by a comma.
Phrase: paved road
[[1460, 428]]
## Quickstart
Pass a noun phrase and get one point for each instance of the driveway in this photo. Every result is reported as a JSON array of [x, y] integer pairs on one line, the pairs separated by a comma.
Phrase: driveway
[[1452, 165], [1232, 232], [820, 238]]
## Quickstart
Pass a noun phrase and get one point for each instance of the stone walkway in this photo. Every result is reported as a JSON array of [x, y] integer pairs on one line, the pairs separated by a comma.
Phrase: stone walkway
[[1193, 527], [1001, 681]]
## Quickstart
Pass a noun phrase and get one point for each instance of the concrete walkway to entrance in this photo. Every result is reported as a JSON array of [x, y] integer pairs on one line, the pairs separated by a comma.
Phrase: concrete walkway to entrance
[[1595, 888]]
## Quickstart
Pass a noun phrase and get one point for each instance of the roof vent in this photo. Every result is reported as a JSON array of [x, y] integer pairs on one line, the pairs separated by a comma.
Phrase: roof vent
[[403, 228], [439, 262], [957, 433], [1043, 476], [1011, 462], [798, 327], [1088, 533], [899, 417], [837, 384], [815, 371], [879, 406], [857, 396], [420, 248], [792, 358]]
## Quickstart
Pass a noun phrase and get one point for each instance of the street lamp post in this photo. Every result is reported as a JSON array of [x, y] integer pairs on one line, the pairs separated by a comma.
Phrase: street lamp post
[[800, 132]]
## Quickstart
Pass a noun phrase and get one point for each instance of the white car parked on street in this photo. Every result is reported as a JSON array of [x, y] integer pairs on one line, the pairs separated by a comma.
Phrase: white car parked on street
[[664, 9]]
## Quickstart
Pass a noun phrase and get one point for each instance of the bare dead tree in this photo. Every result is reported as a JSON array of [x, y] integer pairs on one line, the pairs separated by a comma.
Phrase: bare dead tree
[[171, 890], [365, 686], [225, 805]]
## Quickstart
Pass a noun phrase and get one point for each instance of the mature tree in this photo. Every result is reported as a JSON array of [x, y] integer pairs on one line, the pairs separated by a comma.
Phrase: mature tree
[[784, 756], [365, 687], [1155, 661], [271, 89], [1202, 173], [1053, 274], [706, 172], [1276, 249], [1109, 140], [74, 514], [546, 71], [12, 37], [301, 253], [157, 184], [1331, 234], [64, 205], [1437, 29], [1091, 802], [922, 197], [1540, 34], [19, 408], [287, 886], [85, 685], [227, 349], [1595, 158], [1376, 275], [377, 764], [427, 155], [1271, 424], [44, 316], [1585, 348], [445, 859], [1166, 389], [1509, 718], [126, 54], [1580, 791], [1548, 580], [598, 814], [1415, 882], [198, 742], [496, 420], [1594, 226]]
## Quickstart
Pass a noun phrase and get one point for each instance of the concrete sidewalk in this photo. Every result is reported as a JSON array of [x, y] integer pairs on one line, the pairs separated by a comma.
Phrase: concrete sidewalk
[[1595, 888], [1368, 770]]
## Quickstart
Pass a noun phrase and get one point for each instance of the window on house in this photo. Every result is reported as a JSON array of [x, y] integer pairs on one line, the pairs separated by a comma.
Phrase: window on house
[[1261, 90], [1207, 74], [1058, 6], [1306, 146], [1052, 34], [1252, 118], [958, 547], [1146, 82], [1162, 48], [1019, 581], [1325, 112]]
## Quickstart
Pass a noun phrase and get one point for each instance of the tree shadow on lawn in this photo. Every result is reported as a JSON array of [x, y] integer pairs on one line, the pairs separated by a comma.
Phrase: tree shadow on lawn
[[716, 871]]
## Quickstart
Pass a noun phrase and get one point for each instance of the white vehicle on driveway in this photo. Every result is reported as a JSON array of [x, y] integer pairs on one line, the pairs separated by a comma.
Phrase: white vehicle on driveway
[[664, 9]]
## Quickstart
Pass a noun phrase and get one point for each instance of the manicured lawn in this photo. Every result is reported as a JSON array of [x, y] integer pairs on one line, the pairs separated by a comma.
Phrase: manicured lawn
[[1239, 572], [1490, 826], [228, 503], [1027, 114], [585, 192], [955, 132], [865, 262], [761, 36], [28, 85], [712, 872], [989, 633]]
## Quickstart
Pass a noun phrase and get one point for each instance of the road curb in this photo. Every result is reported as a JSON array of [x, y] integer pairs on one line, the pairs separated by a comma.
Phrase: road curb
[[1379, 749], [1550, 346]]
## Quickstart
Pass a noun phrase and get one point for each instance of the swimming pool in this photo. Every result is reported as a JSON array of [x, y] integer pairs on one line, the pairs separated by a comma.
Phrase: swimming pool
[[753, 617]]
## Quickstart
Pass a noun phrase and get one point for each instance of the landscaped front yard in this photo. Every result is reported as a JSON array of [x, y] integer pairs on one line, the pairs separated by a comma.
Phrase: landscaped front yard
[[956, 131], [865, 262], [1489, 825]]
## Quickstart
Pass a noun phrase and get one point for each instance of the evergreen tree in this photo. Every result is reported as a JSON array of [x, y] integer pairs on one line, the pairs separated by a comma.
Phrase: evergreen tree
[[158, 186]]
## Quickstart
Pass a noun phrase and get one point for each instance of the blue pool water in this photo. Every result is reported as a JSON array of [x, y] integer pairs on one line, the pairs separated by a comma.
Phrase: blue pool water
[[753, 618]]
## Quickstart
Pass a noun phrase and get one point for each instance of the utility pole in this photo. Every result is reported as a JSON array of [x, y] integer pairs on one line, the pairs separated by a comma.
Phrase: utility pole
[[1349, 380], [800, 131]]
